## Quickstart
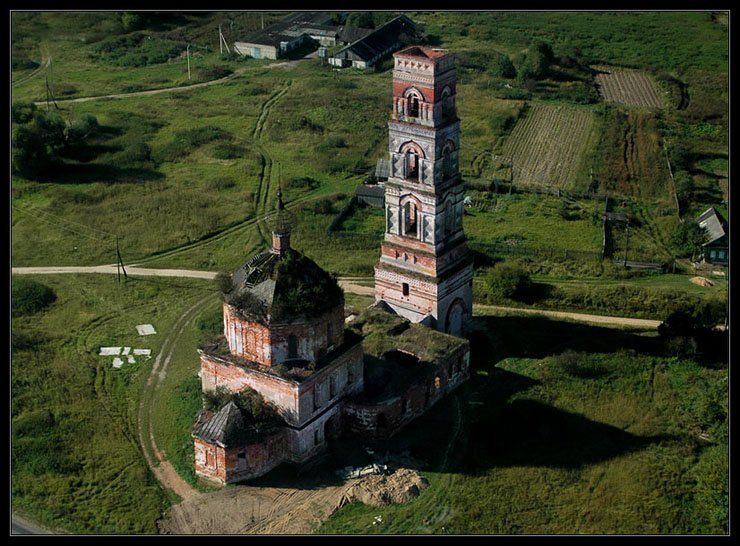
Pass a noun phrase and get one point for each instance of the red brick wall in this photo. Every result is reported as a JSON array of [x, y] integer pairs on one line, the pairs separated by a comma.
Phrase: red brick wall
[[268, 346], [216, 463], [364, 420]]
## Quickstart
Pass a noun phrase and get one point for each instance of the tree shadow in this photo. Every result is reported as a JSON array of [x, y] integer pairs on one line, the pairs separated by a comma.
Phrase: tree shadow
[[538, 337], [530, 433]]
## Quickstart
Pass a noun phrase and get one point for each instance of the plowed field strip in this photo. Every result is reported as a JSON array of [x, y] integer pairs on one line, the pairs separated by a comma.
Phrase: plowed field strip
[[629, 87]]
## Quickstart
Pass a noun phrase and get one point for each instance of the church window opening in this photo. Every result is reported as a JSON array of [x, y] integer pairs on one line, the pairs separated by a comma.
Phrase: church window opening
[[405, 288], [332, 387], [414, 106], [329, 333], [292, 346], [316, 437], [409, 219], [447, 160], [412, 159]]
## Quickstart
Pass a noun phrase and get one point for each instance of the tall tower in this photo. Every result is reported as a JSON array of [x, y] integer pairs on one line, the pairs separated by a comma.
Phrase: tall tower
[[425, 272]]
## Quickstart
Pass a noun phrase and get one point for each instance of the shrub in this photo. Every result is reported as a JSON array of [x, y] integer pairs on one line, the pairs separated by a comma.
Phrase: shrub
[[136, 50], [214, 73], [224, 282], [227, 151], [303, 182], [323, 206], [687, 239], [503, 67], [29, 296], [22, 112], [508, 281]]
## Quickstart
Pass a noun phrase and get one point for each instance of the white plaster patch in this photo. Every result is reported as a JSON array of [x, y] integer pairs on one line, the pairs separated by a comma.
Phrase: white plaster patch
[[145, 329], [131, 360], [117, 362], [126, 350], [143, 352], [109, 351]]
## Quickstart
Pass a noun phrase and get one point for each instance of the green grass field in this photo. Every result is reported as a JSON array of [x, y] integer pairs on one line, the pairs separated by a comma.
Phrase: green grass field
[[77, 463], [602, 440]]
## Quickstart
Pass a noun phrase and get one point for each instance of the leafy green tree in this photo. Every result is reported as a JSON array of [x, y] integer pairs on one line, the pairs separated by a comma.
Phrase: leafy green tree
[[503, 67], [536, 62], [131, 21], [684, 186], [361, 19], [508, 281], [687, 239], [28, 296], [22, 112]]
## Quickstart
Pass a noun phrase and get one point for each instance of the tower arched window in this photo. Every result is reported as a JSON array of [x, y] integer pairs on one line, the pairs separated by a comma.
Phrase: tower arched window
[[410, 219], [292, 346], [447, 167], [413, 153], [413, 102]]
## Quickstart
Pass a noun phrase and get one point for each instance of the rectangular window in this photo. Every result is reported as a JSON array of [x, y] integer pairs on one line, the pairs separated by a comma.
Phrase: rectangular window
[[331, 387], [405, 288], [721, 254], [713, 254], [316, 403], [316, 437], [350, 376]]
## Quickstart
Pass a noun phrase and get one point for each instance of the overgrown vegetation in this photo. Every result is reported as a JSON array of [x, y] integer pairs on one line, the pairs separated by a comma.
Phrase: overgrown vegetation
[[28, 296]]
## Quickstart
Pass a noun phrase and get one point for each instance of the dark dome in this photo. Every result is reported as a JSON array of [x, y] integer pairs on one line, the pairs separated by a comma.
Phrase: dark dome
[[282, 287]]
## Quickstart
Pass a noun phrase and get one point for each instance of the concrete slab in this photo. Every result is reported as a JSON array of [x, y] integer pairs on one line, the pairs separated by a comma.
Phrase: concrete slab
[[143, 352], [131, 360], [109, 351], [126, 350], [145, 329], [117, 362]]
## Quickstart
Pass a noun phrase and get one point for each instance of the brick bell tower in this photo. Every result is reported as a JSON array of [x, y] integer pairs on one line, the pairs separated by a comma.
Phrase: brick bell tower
[[425, 272]]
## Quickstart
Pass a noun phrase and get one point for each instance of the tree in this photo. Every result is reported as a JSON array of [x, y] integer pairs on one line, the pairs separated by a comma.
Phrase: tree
[[361, 19], [22, 112], [687, 239], [503, 67], [684, 186], [28, 296], [224, 282], [131, 21], [508, 281]]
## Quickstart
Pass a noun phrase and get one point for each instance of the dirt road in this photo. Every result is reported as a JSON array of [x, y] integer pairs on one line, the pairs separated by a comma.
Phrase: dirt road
[[150, 91], [351, 285]]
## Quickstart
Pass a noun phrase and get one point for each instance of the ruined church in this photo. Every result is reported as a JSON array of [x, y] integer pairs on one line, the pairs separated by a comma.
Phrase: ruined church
[[290, 373]]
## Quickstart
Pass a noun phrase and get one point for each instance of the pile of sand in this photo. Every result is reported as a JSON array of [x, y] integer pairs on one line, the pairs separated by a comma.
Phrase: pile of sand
[[701, 281], [401, 486]]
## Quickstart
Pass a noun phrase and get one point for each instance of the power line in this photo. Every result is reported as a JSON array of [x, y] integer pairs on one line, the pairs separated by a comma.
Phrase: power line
[[36, 210]]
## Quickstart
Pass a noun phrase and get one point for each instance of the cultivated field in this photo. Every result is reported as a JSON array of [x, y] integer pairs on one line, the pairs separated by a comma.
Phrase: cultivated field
[[629, 87], [548, 145]]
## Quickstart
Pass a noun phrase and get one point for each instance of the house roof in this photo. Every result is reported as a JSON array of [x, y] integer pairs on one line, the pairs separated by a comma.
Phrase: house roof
[[226, 427], [350, 35], [714, 224], [378, 41], [383, 168]]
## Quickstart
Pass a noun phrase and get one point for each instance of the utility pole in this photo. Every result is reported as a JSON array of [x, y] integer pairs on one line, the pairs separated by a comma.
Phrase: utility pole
[[627, 242], [188, 54], [119, 262], [263, 21], [220, 41]]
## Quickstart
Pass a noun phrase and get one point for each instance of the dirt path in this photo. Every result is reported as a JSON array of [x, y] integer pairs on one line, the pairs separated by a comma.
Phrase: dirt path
[[151, 91], [580, 317], [350, 285], [45, 62], [162, 469]]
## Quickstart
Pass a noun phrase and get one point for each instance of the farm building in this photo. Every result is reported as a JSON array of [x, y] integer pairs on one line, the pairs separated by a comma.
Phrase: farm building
[[716, 249], [376, 45], [372, 195], [294, 31]]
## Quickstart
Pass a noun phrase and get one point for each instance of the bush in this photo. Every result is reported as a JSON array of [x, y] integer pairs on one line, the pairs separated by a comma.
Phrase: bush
[[508, 281], [303, 182], [227, 151], [503, 67], [22, 112], [323, 206], [29, 296], [214, 73], [224, 282], [687, 239], [136, 50]]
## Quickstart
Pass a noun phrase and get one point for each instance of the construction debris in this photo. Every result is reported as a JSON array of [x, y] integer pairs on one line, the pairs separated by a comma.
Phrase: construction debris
[[117, 362], [401, 486], [701, 281], [143, 352], [145, 329], [109, 351]]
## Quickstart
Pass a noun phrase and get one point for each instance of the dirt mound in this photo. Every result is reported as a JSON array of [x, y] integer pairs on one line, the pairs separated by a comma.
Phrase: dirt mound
[[701, 281], [401, 486]]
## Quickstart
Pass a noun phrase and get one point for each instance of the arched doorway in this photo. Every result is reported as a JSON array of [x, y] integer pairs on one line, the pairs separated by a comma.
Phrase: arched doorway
[[456, 315]]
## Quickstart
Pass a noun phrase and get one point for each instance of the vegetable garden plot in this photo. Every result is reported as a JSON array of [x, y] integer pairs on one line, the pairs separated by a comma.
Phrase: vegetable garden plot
[[629, 87], [548, 145]]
